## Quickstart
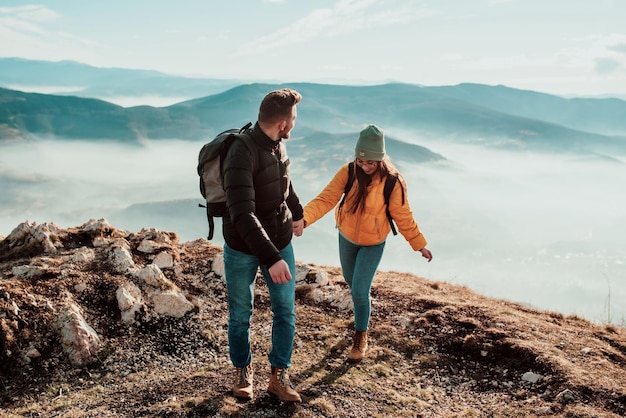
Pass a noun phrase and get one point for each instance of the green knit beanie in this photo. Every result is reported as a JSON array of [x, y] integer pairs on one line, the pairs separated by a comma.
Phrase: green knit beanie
[[371, 144]]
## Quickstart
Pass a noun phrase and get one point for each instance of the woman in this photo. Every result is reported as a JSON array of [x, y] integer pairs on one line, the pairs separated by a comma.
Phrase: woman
[[363, 223]]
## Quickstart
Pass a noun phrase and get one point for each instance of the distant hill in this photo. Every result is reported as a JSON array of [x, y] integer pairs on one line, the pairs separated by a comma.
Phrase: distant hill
[[326, 151], [88, 81], [605, 116], [31, 114]]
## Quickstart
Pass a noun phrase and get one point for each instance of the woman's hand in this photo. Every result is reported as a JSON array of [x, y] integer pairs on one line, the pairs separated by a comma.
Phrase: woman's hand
[[426, 254]]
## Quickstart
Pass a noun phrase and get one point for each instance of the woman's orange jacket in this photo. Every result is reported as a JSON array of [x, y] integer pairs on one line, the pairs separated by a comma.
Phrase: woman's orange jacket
[[371, 226]]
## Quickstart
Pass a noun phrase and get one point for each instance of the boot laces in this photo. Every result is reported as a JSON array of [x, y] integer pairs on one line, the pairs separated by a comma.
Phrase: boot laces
[[244, 374], [359, 341], [283, 378]]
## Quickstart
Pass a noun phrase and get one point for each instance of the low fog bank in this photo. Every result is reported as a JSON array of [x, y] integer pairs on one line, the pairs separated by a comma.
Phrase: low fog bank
[[153, 100], [104, 93], [542, 230]]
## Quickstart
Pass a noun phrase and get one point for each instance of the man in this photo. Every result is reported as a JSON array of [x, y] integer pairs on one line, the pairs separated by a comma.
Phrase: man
[[262, 206]]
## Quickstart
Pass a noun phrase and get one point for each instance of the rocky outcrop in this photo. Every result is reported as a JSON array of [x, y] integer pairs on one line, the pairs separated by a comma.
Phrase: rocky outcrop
[[79, 341], [143, 266]]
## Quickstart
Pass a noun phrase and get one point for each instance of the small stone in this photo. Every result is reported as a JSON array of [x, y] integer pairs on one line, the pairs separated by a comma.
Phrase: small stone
[[531, 377], [566, 396]]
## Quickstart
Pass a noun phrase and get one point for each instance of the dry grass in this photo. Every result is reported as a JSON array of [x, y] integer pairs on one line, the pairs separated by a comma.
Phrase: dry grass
[[436, 350]]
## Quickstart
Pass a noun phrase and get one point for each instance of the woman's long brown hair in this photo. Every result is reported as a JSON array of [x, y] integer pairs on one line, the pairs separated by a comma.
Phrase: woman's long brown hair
[[385, 168]]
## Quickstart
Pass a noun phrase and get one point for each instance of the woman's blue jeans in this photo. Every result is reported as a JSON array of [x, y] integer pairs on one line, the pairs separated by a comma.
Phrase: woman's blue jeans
[[359, 264], [240, 271]]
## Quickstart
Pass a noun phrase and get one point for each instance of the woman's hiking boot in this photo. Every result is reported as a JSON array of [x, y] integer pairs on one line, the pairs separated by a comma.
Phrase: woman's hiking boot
[[359, 347], [280, 386], [243, 382]]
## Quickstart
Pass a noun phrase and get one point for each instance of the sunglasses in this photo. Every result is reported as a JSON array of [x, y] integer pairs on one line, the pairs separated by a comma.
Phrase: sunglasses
[[366, 162]]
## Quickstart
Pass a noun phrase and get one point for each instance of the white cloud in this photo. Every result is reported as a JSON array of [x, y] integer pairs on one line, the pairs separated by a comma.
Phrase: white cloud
[[468, 16], [348, 7], [606, 65], [224, 35], [598, 53], [90, 43], [579, 62], [347, 16], [620, 48], [452, 56], [25, 19], [21, 26], [32, 32], [31, 13], [506, 62]]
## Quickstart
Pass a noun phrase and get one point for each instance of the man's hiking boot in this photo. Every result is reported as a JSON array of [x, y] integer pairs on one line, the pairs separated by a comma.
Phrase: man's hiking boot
[[243, 383], [280, 386], [359, 347]]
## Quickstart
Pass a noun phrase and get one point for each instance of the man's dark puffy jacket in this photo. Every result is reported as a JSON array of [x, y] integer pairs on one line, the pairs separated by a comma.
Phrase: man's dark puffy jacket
[[260, 198]]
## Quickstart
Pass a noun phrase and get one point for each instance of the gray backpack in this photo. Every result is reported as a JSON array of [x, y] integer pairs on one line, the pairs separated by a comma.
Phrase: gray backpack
[[210, 161]]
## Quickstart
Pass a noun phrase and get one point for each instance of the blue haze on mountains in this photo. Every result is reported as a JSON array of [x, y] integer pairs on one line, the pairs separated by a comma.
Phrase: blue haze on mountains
[[544, 227]]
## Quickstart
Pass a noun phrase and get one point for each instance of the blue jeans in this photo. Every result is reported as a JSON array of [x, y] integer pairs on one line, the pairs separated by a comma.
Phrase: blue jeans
[[240, 271], [359, 264]]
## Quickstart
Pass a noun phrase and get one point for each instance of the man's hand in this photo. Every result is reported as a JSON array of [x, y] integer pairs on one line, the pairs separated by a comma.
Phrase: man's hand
[[279, 271], [298, 227]]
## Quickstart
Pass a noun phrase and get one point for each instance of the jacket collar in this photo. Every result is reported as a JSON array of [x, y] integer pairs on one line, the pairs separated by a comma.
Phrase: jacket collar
[[263, 140]]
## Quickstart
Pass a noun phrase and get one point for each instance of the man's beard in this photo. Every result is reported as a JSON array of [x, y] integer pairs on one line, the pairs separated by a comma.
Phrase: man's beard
[[284, 134]]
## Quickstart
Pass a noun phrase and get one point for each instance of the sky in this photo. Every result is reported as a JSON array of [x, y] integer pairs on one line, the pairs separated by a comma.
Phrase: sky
[[566, 47]]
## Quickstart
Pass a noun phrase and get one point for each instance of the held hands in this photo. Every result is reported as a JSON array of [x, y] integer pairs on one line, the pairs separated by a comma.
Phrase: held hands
[[426, 254], [279, 271], [298, 227]]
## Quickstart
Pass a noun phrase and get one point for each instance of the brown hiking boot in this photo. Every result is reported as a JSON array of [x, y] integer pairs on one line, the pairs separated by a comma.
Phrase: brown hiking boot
[[281, 387], [243, 382], [359, 347]]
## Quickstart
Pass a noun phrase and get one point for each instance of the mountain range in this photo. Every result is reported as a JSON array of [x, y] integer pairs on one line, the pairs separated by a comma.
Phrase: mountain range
[[71, 77], [496, 116], [518, 192]]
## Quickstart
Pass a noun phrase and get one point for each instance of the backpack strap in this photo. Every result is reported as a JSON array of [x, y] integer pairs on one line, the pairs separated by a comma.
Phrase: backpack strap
[[348, 183], [390, 183], [243, 135], [211, 222], [247, 139]]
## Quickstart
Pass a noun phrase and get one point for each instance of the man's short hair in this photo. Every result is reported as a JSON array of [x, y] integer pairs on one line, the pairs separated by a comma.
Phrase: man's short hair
[[276, 105]]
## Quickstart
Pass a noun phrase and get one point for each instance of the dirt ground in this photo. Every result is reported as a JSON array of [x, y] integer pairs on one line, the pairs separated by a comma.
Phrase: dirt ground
[[436, 349]]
